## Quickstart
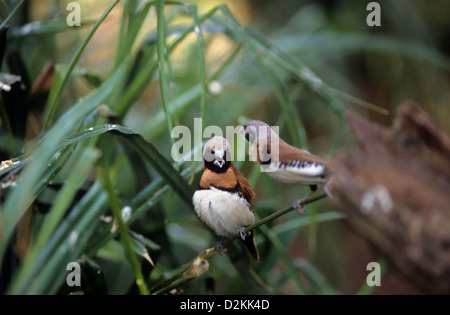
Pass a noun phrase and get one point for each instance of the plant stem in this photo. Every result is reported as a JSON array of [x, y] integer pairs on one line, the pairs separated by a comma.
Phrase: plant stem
[[11, 14], [161, 37], [50, 109], [199, 264], [271, 217], [124, 235]]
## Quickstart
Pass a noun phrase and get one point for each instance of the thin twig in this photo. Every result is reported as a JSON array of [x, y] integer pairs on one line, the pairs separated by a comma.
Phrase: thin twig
[[271, 217], [184, 276]]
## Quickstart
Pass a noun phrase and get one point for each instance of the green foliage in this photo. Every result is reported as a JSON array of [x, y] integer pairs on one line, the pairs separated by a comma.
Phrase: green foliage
[[99, 162]]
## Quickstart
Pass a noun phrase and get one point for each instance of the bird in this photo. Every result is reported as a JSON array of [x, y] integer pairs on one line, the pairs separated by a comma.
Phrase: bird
[[223, 197], [284, 162]]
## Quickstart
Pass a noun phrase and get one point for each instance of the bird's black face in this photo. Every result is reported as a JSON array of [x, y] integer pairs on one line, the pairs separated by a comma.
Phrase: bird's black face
[[217, 161], [217, 155]]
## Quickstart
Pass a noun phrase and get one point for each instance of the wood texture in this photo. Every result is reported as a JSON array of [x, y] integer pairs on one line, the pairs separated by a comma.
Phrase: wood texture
[[396, 192]]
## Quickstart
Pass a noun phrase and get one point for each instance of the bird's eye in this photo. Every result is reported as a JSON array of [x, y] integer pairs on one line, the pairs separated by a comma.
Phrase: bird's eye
[[213, 152], [247, 136]]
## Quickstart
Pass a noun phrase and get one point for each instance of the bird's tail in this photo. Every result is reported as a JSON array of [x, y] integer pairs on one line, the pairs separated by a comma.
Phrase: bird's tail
[[250, 243]]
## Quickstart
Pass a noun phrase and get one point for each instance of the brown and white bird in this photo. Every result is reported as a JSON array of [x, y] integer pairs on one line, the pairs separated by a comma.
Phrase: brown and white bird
[[284, 162], [223, 197]]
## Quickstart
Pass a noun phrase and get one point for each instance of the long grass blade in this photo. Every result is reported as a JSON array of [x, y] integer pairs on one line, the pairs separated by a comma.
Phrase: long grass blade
[[144, 201], [123, 229], [260, 44], [148, 152], [22, 196], [40, 28], [132, 20], [12, 13], [192, 9], [68, 242], [52, 104], [319, 282], [161, 48], [82, 165]]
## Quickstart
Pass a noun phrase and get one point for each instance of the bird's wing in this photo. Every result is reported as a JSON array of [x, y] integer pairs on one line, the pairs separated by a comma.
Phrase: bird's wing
[[247, 191]]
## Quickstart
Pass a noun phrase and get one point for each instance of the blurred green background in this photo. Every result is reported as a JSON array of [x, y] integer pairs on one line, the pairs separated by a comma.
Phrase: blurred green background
[[295, 64]]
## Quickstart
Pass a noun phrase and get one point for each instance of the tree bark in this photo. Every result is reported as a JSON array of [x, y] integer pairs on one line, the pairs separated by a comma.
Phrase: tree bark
[[396, 193]]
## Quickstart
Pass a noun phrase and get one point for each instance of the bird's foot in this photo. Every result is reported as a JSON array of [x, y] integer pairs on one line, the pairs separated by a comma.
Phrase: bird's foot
[[220, 248], [242, 233], [299, 206]]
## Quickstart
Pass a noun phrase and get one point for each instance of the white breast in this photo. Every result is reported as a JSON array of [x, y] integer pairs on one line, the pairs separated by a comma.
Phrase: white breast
[[223, 211], [296, 172]]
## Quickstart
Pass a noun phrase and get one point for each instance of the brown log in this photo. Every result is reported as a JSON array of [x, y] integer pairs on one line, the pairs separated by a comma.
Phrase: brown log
[[396, 193]]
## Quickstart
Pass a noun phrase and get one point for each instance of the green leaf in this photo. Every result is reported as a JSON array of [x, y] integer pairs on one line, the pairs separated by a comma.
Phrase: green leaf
[[161, 48], [92, 279], [30, 181], [133, 19], [46, 27], [261, 46], [125, 238], [11, 14], [82, 165], [93, 79], [142, 247], [306, 220], [192, 9], [147, 198], [148, 152], [68, 243], [319, 282], [59, 85]]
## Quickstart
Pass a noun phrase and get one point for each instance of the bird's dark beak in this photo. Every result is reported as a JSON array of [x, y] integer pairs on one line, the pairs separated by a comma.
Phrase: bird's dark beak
[[246, 134]]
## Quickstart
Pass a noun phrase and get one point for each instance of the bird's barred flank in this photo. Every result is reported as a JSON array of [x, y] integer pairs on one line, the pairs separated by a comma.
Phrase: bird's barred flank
[[298, 164], [292, 165]]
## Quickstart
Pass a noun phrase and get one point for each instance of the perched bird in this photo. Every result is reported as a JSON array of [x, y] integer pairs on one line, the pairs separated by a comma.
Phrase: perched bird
[[284, 162], [223, 197]]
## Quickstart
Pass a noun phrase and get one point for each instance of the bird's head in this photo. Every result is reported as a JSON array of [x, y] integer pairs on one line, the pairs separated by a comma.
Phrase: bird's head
[[264, 142], [257, 131], [217, 155]]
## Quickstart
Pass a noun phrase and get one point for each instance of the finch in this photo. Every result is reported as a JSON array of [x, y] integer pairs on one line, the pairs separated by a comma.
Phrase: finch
[[223, 197], [284, 162]]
